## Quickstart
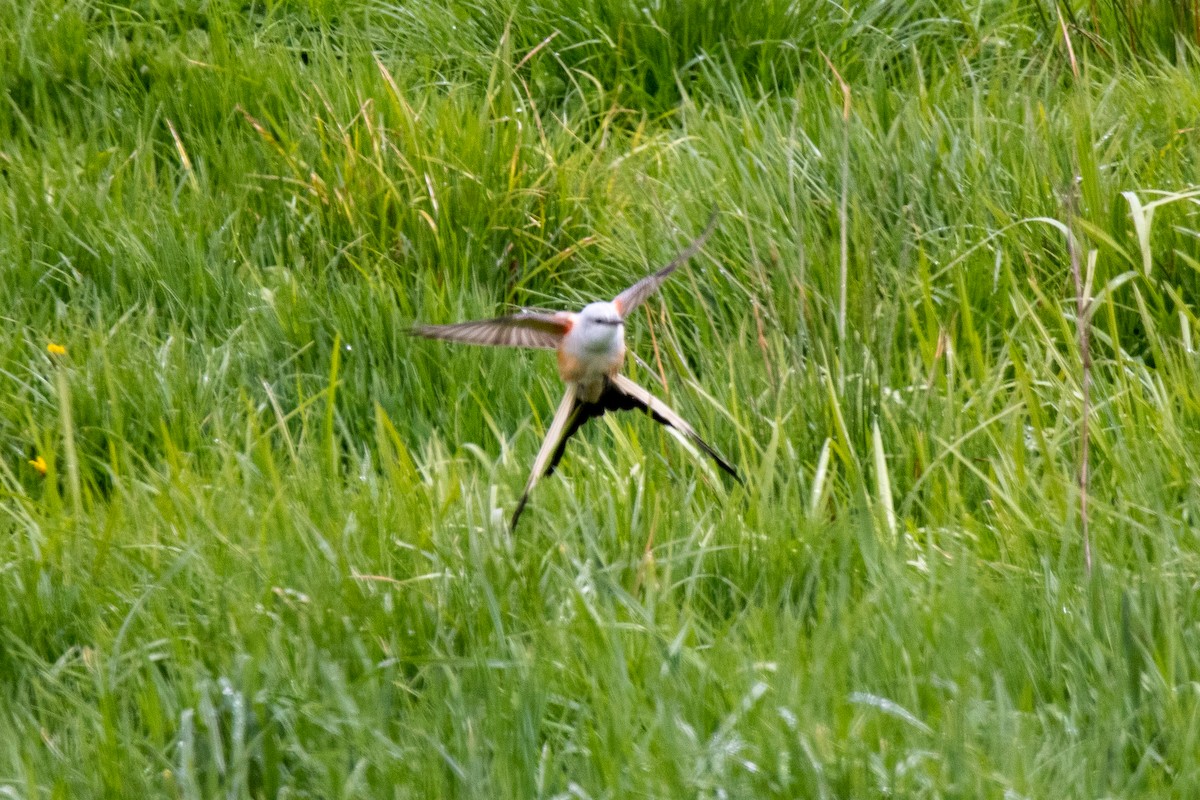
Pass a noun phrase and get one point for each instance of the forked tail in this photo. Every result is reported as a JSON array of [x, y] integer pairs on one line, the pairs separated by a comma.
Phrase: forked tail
[[619, 394]]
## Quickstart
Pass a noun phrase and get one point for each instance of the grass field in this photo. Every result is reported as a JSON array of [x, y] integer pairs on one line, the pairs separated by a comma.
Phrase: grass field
[[253, 537]]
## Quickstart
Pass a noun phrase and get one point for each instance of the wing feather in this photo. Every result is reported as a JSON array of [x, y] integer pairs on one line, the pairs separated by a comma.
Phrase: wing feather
[[628, 300], [527, 329]]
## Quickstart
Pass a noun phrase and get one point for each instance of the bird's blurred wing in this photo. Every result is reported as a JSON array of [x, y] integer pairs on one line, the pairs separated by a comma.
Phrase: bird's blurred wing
[[527, 329], [633, 297]]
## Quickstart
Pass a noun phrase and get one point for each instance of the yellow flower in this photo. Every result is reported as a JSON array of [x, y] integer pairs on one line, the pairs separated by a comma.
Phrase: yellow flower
[[55, 349], [39, 464]]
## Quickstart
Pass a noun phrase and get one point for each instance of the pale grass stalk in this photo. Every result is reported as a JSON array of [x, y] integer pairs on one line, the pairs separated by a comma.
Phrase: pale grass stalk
[[1067, 38], [843, 214], [662, 373], [67, 421], [1082, 327], [183, 157]]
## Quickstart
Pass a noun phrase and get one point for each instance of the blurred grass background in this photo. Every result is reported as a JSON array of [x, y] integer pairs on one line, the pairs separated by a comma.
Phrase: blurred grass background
[[267, 556]]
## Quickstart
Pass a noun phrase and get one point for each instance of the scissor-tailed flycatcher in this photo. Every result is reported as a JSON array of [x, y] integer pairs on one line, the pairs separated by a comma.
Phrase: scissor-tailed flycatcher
[[591, 350]]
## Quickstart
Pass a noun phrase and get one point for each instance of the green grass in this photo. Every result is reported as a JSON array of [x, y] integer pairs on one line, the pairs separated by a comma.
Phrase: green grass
[[268, 557]]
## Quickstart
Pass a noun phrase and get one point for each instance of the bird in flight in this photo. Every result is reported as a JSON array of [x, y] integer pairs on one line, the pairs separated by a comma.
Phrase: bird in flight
[[591, 351]]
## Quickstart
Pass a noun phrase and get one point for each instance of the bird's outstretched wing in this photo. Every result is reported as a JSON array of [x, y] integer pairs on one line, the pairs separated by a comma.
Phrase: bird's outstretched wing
[[563, 417], [527, 329], [628, 300]]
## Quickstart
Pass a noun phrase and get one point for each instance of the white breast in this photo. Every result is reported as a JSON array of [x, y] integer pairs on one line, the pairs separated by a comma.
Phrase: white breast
[[589, 352]]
